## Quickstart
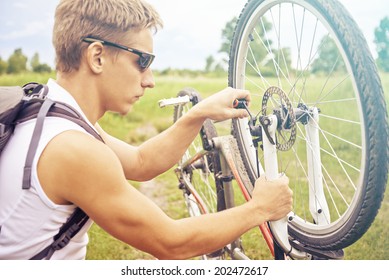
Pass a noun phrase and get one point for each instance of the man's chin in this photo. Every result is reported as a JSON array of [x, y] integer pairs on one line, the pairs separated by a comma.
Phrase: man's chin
[[124, 111]]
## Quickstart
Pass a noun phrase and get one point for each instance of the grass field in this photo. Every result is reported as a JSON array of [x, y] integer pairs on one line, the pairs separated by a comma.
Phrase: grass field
[[148, 119]]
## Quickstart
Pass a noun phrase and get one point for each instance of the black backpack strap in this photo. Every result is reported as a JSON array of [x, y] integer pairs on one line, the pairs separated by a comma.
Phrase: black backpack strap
[[65, 234], [58, 109], [65, 111], [47, 104], [39, 108]]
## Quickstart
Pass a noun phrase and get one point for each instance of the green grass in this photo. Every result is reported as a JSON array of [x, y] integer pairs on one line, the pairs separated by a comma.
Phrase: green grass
[[147, 119]]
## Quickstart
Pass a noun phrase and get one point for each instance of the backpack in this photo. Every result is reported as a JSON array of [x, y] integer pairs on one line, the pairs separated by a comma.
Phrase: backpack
[[20, 104]]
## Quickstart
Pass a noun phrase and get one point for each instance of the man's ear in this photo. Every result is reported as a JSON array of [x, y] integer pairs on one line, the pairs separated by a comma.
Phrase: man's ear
[[95, 56]]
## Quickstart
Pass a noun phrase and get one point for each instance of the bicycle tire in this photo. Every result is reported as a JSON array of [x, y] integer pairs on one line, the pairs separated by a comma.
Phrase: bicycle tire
[[367, 103]]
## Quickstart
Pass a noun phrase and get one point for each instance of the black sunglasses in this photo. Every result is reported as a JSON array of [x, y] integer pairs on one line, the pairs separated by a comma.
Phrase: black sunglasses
[[145, 59]]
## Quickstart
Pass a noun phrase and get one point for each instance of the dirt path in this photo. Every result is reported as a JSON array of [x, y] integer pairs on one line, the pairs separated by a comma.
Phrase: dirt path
[[154, 190]]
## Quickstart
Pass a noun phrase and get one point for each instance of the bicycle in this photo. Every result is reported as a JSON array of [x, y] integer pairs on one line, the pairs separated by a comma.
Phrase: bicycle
[[320, 117]]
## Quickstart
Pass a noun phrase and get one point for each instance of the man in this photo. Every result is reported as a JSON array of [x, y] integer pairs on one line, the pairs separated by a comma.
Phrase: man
[[71, 168]]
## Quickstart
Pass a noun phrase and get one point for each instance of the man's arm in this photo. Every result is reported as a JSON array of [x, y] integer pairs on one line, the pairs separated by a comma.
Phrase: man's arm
[[160, 153], [87, 173]]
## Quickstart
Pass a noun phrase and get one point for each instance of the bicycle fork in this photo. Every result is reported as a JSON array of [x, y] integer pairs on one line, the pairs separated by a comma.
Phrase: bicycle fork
[[317, 202], [278, 228]]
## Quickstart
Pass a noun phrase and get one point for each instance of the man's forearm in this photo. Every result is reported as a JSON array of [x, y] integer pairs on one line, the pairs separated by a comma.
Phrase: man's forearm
[[205, 234], [163, 151]]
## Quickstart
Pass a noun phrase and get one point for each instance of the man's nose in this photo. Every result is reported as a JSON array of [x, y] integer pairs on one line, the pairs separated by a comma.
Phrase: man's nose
[[148, 79]]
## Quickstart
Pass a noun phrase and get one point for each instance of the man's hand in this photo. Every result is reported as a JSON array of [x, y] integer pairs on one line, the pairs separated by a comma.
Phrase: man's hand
[[219, 107], [273, 199]]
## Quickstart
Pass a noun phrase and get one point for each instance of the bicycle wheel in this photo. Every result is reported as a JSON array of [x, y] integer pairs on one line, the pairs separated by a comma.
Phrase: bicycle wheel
[[313, 51], [200, 166]]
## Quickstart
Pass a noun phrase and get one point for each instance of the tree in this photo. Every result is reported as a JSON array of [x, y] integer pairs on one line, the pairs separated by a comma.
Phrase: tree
[[42, 68], [382, 44], [329, 59], [35, 61], [36, 66], [258, 55], [209, 62], [3, 66], [279, 63], [17, 62], [259, 51], [227, 35]]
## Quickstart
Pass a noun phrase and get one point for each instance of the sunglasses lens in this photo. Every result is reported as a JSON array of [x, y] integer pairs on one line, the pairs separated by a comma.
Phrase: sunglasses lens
[[145, 61]]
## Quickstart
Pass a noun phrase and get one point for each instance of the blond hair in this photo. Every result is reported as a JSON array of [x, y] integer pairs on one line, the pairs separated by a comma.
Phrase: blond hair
[[105, 19]]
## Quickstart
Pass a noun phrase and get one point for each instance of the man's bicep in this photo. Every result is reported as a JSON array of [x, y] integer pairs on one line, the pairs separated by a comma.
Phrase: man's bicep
[[127, 154]]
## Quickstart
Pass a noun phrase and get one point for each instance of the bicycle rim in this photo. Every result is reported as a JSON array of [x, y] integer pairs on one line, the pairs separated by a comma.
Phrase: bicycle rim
[[315, 53]]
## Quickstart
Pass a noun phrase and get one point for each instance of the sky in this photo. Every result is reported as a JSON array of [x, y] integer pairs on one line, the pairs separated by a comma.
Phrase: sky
[[192, 28]]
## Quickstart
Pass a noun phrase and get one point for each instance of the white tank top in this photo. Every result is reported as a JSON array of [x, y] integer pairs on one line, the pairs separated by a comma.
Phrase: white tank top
[[28, 218]]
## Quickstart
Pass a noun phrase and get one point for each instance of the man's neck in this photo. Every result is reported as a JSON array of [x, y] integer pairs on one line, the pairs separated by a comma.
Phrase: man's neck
[[84, 91]]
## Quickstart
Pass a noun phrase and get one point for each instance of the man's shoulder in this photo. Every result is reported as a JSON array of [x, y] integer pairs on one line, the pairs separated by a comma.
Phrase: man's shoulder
[[75, 144], [77, 153], [74, 164]]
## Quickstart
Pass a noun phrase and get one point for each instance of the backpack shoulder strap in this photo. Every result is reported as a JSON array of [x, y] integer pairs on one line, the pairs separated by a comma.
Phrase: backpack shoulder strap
[[58, 109], [39, 109], [47, 104], [65, 234]]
